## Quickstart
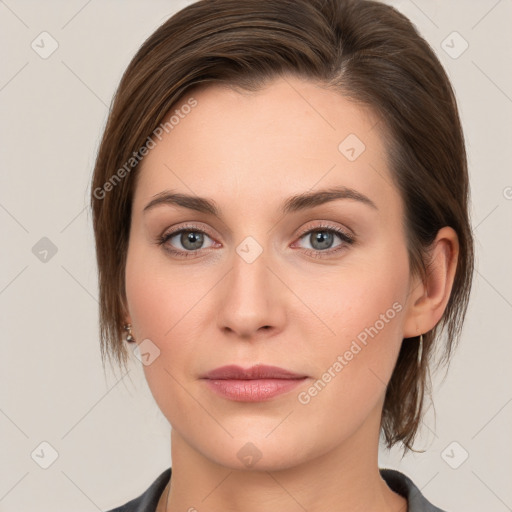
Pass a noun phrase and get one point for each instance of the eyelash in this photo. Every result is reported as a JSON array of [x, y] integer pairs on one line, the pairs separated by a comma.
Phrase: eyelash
[[315, 253]]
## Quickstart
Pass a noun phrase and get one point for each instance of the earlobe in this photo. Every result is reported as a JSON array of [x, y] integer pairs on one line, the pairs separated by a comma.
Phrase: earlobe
[[428, 298]]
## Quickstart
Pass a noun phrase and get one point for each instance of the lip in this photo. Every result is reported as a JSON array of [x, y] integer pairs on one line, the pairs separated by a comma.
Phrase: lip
[[256, 384], [260, 371]]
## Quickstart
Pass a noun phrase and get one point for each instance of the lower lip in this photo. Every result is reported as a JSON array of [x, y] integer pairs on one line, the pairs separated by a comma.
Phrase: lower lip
[[256, 390]]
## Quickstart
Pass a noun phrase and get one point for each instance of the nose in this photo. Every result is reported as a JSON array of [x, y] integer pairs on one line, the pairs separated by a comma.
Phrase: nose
[[251, 299]]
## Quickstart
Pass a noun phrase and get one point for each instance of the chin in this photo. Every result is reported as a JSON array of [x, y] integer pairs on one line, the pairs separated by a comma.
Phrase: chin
[[256, 453]]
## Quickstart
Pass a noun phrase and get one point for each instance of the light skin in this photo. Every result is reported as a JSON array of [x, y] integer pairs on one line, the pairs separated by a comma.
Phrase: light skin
[[249, 153]]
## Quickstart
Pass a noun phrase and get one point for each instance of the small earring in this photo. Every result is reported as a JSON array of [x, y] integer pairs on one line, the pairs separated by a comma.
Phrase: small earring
[[129, 337], [420, 350]]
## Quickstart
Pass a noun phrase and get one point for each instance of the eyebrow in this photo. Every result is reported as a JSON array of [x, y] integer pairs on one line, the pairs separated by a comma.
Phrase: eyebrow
[[292, 204]]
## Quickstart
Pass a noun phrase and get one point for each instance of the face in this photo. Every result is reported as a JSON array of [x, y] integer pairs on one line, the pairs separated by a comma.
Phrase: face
[[265, 276]]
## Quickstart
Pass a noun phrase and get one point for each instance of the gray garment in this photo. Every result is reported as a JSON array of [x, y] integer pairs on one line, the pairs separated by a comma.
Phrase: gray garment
[[398, 482]]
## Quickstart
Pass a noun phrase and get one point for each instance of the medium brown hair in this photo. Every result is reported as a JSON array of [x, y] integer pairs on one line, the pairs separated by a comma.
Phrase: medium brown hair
[[365, 50]]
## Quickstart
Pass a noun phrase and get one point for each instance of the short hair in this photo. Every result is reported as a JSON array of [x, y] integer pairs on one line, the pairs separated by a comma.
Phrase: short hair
[[368, 52]]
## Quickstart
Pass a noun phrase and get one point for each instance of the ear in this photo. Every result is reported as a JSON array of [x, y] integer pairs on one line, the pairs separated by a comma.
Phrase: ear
[[428, 298]]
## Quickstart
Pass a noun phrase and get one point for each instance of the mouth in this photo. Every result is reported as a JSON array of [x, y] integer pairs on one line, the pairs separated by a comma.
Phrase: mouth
[[256, 384]]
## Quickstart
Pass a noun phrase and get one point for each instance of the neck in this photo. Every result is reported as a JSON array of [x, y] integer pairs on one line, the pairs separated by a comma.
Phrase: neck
[[345, 478]]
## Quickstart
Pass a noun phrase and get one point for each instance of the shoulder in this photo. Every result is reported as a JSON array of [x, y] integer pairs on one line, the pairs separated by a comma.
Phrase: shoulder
[[148, 500], [403, 485]]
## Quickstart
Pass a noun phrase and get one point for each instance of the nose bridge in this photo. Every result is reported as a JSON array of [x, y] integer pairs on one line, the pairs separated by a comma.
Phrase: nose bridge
[[249, 299], [250, 272]]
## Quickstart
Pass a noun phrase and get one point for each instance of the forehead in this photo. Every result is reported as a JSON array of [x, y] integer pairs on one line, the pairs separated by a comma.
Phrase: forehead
[[290, 136]]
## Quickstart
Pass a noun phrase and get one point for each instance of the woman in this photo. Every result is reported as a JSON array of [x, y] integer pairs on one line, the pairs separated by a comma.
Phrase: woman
[[280, 206]]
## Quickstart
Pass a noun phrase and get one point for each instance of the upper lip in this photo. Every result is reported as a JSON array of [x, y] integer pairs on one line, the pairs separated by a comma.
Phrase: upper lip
[[259, 371]]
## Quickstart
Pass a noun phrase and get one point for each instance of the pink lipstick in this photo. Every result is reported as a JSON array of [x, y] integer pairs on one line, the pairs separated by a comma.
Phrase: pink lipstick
[[255, 384]]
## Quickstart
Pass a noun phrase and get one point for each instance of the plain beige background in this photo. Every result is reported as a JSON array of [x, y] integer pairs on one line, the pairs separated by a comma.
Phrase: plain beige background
[[106, 434]]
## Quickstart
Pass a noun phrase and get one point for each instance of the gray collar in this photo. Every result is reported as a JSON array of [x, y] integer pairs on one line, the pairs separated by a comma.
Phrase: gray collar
[[397, 482]]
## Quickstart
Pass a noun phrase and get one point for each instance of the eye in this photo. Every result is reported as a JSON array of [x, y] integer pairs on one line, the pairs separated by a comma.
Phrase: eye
[[322, 238], [190, 238]]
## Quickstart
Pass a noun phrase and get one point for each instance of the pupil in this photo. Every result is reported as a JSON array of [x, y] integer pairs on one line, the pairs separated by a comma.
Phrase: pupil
[[193, 238], [324, 239]]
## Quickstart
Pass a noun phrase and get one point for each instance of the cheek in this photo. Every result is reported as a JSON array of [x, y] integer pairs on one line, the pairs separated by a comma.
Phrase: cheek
[[363, 303], [159, 296], [165, 309], [353, 365], [360, 314]]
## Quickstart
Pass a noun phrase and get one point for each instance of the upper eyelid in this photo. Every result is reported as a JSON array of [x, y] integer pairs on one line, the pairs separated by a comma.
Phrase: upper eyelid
[[189, 227], [192, 226], [327, 226]]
